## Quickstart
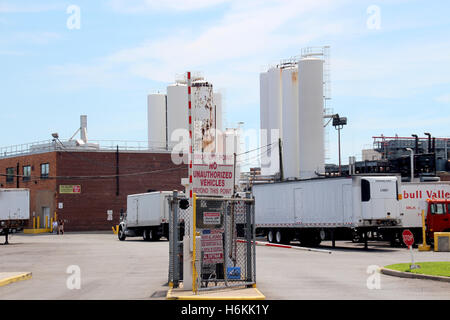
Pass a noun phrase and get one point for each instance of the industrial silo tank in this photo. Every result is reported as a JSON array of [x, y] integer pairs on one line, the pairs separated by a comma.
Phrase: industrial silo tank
[[156, 112], [274, 117], [311, 148], [290, 122], [264, 116], [177, 111]]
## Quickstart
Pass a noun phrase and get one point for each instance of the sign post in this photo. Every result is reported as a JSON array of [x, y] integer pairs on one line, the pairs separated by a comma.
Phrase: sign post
[[408, 239]]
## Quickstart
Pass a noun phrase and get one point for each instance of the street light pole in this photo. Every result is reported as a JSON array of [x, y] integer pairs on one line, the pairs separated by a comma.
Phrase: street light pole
[[338, 124], [339, 148]]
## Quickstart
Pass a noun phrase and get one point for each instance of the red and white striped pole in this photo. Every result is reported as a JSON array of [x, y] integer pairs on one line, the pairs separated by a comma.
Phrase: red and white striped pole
[[190, 154]]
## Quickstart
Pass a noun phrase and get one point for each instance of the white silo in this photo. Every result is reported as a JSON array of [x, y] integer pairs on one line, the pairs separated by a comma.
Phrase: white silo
[[156, 113], [290, 122], [274, 117], [264, 118], [310, 114], [177, 111]]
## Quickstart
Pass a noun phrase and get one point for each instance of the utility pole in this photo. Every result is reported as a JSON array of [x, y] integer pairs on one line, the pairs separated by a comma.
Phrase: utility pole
[[117, 170]]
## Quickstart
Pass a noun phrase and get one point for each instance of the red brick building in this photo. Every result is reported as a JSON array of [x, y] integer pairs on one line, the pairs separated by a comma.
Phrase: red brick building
[[82, 186]]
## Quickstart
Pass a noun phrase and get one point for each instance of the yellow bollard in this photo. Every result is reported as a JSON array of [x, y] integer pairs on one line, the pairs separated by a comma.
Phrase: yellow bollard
[[51, 225], [46, 222], [34, 222], [38, 222], [424, 246]]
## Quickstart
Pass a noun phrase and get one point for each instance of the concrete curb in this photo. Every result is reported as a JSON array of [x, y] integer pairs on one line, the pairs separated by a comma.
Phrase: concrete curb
[[227, 295], [13, 277], [410, 275]]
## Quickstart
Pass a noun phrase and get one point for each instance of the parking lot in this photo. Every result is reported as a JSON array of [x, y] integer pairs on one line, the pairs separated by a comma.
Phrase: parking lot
[[134, 269]]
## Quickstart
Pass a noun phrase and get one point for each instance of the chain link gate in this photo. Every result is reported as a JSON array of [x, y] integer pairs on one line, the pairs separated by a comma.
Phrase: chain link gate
[[225, 244]]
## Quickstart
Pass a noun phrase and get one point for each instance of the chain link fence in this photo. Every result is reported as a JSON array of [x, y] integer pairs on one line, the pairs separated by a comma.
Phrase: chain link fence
[[179, 218], [224, 246]]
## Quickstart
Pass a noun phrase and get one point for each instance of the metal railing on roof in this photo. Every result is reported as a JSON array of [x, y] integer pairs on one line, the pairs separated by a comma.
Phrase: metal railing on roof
[[44, 146]]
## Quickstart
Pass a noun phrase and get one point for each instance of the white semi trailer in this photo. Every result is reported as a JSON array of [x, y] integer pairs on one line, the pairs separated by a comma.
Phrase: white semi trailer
[[147, 216], [14, 210], [413, 199], [325, 208]]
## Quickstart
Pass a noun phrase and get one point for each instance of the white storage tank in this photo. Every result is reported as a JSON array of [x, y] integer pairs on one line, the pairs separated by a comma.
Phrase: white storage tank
[[274, 117], [290, 122], [311, 149], [157, 126], [264, 116], [177, 111]]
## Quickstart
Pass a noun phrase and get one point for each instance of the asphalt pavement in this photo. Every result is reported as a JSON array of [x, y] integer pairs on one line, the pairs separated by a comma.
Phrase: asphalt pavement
[[99, 266]]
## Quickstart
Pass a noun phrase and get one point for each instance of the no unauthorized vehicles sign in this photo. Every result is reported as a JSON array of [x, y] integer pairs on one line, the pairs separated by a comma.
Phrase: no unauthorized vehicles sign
[[212, 179]]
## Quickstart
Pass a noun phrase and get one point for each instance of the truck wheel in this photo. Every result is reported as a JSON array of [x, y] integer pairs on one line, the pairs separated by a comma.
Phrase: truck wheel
[[270, 236], [279, 237], [151, 235], [121, 234], [146, 235]]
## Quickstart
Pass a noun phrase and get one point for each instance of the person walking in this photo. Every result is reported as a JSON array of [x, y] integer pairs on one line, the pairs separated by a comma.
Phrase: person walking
[[55, 227], [61, 226]]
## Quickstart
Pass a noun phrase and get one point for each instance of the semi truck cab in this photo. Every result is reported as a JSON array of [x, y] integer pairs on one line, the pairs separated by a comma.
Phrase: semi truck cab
[[438, 217]]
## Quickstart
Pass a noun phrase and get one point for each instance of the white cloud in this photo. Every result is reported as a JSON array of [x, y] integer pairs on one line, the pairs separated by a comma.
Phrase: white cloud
[[398, 72], [233, 49], [140, 6], [241, 35], [11, 53], [28, 8], [35, 37], [443, 98]]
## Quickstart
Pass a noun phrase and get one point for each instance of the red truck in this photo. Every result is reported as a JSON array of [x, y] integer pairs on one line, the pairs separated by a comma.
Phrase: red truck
[[437, 218]]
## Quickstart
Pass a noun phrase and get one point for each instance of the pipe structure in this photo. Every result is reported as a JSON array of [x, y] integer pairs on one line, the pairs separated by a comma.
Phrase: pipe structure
[[416, 145], [429, 141], [412, 163]]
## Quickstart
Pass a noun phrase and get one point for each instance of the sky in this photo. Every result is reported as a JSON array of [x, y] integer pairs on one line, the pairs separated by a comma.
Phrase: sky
[[390, 62]]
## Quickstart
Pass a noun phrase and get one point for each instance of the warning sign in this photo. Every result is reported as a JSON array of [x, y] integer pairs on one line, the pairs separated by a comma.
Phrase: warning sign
[[211, 218], [213, 179], [212, 247], [69, 188]]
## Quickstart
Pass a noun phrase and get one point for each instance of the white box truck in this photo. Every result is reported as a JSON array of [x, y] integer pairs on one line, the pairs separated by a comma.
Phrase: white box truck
[[325, 208], [14, 210], [147, 215], [413, 199]]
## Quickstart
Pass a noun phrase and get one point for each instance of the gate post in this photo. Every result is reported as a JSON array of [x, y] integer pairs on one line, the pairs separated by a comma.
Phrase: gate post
[[248, 235]]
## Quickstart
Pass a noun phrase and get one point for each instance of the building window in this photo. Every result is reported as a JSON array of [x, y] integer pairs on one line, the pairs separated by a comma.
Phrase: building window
[[9, 174], [45, 170], [26, 173]]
